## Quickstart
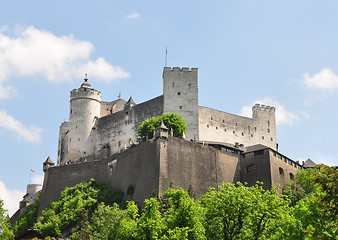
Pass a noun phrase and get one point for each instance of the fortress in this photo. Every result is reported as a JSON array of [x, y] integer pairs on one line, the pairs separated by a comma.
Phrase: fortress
[[100, 142]]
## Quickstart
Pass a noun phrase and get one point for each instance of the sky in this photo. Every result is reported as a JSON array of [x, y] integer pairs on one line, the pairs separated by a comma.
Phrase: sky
[[278, 53]]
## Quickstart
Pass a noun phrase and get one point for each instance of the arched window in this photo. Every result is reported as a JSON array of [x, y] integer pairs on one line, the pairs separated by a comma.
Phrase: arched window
[[130, 193], [281, 171], [292, 177], [251, 169]]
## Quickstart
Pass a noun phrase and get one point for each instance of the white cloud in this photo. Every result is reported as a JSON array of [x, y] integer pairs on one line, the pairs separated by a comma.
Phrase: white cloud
[[282, 115], [29, 134], [133, 15], [39, 52], [324, 80], [11, 198], [37, 179]]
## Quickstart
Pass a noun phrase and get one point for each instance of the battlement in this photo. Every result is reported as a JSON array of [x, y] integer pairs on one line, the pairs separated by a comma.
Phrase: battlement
[[85, 92], [183, 69], [263, 107]]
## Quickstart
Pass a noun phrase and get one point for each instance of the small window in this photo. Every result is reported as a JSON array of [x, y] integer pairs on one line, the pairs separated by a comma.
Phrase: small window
[[216, 128], [79, 139], [223, 120], [189, 84], [211, 118], [126, 113], [292, 177], [268, 123], [268, 130], [242, 134], [71, 111], [255, 129], [271, 139], [262, 137], [274, 154], [233, 132], [236, 124], [178, 93], [70, 139], [225, 129], [281, 171], [251, 135], [252, 169], [173, 84], [180, 107], [207, 125]]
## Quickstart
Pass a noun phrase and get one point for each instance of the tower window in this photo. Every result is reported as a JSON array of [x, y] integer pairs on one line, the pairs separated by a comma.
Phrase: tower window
[[207, 125], [281, 171], [212, 118], [180, 107], [268, 130], [216, 128], [251, 135], [173, 84], [251, 169], [242, 134], [233, 132], [189, 84], [179, 93], [271, 139], [262, 137], [292, 177], [225, 129]]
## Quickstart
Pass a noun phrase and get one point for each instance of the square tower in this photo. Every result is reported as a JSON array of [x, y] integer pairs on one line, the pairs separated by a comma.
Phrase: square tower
[[180, 95]]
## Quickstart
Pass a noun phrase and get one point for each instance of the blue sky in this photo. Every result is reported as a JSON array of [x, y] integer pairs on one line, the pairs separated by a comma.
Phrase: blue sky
[[281, 53]]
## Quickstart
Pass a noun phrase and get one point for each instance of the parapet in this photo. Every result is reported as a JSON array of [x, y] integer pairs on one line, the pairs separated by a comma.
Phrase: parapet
[[263, 107], [85, 93], [183, 69]]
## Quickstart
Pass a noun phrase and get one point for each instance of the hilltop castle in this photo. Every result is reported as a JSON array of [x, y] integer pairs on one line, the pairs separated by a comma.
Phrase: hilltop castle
[[100, 142], [95, 125]]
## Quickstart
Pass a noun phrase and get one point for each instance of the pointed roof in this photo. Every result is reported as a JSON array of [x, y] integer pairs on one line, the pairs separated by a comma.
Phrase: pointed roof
[[49, 161], [162, 126], [131, 101], [309, 163], [86, 84]]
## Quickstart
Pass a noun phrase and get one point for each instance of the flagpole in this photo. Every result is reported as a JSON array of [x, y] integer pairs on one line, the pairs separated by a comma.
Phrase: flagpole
[[166, 56], [30, 176]]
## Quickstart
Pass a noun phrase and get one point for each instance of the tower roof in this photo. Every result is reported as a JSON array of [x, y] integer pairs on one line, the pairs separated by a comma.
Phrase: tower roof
[[86, 84], [131, 101], [49, 161]]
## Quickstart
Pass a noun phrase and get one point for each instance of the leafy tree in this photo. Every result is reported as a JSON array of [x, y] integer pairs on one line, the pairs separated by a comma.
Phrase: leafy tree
[[235, 211], [65, 213], [28, 218], [83, 231], [106, 221], [303, 186], [5, 230], [170, 120]]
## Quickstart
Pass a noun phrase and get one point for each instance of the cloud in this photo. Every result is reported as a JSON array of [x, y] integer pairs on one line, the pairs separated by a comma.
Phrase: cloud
[[282, 115], [37, 179], [29, 134], [324, 80], [39, 52], [11, 198], [133, 15]]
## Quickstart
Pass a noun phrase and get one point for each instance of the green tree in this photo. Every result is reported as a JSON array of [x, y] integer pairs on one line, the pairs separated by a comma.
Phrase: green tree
[[28, 218], [170, 120], [65, 213], [5, 230], [106, 221], [303, 186], [235, 211]]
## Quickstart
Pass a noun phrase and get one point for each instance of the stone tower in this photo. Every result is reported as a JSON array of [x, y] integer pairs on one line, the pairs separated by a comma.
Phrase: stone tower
[[266, 126], [85, 103], [180, 95]]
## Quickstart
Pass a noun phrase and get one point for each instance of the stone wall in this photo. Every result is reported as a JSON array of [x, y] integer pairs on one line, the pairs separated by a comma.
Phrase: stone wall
[[224, 127]]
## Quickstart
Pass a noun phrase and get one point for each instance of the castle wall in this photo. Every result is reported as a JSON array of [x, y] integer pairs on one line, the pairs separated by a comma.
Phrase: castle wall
[[119, 130], [220, 126], [185, 163], [180, 91], [58, 178], [282, 169]]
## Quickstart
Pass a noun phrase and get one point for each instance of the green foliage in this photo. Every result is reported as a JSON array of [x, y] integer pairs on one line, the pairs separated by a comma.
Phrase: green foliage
[[106, 221], [240, 212], [303, 186], [27, 220], [5, 230], [170, 120], [65, 213]]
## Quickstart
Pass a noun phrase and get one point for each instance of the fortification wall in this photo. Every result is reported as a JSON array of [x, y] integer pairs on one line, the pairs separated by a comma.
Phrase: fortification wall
[[57, 178], [282, 169], [186, 163], [119, 130], [220, 126]]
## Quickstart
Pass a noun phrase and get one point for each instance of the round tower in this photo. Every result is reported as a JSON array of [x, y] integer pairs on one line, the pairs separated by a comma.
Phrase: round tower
[[85, 105]]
